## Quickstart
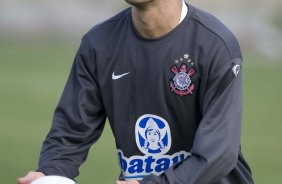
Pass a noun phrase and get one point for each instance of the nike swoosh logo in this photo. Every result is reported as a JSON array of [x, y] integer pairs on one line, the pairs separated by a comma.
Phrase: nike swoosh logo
[[115, 77]]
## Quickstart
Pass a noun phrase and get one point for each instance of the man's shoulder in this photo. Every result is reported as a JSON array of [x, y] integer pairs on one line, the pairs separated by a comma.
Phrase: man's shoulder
[[214, 26], [113, 20], [108, 27]]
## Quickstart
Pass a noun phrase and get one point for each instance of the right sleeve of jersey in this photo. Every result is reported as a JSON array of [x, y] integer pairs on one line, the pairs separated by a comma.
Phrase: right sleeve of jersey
[[78, 120]]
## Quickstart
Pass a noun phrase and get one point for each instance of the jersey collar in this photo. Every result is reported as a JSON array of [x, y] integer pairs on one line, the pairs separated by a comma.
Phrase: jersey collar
[[184, 11]]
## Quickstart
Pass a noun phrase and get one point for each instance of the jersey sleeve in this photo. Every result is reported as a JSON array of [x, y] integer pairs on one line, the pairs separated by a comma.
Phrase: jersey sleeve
[[217, 141], [78, 120]]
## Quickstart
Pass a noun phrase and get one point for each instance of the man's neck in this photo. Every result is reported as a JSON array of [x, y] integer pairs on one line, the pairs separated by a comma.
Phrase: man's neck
[[157, 18]]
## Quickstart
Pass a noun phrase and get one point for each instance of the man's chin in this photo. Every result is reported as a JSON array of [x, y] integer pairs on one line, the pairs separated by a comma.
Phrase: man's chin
[[139, 3]]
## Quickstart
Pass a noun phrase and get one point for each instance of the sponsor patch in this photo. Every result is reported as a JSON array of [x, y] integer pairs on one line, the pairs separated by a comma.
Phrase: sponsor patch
[[152, 134], [137, 167], [153, 139]]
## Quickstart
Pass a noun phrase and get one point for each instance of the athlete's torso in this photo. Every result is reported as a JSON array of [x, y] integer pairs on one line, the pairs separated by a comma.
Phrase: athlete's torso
[[153, 90]]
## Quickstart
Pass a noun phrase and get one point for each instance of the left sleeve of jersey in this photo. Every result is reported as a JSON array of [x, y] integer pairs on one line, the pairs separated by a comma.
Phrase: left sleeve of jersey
[[217, 141], [78, 120]]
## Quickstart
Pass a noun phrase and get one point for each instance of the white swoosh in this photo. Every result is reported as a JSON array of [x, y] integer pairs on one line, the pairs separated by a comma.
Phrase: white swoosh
[[115, 77]]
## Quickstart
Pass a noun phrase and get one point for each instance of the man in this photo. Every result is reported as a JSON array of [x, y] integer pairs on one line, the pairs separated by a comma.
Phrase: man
[[164, 65]]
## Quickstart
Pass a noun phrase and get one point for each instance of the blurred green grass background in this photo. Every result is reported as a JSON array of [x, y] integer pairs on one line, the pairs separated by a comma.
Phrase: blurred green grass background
[[32, 77]]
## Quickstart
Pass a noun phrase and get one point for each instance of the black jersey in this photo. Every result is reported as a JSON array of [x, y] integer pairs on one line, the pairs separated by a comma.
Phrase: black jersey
[[174, 103]]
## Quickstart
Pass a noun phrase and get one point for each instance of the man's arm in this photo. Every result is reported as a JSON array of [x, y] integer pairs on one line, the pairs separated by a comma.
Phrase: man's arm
[[217, 141], [78, 119]]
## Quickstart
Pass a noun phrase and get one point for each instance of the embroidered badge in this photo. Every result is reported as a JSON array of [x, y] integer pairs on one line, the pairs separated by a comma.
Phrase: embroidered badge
[[181, 83]]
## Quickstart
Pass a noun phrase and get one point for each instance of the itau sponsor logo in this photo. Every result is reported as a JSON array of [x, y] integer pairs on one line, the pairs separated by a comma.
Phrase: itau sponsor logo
[[153, 138]]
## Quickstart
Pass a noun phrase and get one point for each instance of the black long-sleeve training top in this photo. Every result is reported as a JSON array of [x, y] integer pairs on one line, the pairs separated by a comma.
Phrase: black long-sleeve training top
[[174, 103]]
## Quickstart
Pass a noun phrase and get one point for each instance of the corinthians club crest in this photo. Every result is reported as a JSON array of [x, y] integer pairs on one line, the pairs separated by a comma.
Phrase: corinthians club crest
[[181, 83]]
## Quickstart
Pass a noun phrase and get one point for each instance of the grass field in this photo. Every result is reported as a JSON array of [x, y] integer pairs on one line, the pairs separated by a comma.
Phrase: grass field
[[33, 74]]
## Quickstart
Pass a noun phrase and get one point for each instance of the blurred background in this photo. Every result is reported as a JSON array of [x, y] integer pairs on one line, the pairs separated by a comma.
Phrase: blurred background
[[39, 38]]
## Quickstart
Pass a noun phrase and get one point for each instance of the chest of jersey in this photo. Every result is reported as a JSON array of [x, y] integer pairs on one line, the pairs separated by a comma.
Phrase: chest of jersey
[[150, 93]]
